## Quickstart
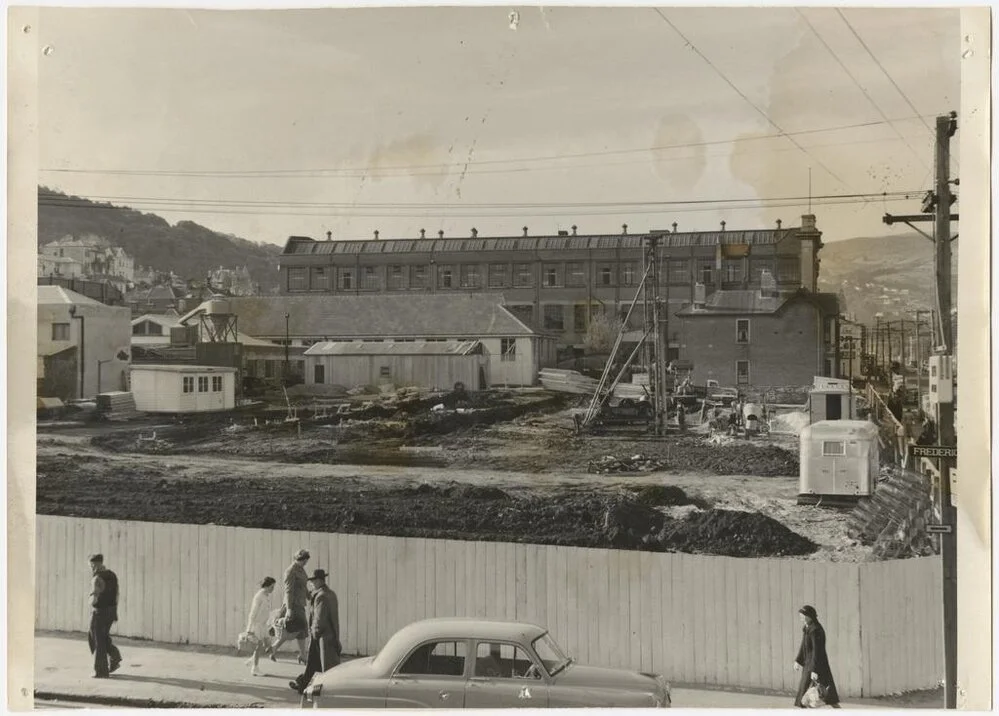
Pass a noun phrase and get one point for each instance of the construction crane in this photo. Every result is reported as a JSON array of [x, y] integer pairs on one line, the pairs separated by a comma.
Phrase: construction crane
[[654, 344]]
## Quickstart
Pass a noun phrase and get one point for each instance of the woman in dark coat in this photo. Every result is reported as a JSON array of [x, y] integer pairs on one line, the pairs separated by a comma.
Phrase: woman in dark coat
[[812, 659]]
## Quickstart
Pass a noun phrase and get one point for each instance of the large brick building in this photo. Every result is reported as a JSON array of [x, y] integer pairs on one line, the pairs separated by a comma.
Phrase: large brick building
[[557, 283]]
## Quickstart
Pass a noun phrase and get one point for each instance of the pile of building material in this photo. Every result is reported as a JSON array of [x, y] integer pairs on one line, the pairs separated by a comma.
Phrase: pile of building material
[[893, 521], [790, 423], [119, 405], [635, 463], [574, 382]]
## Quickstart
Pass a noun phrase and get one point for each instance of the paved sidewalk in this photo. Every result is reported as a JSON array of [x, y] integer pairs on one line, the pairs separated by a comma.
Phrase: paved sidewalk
[[178, 676]]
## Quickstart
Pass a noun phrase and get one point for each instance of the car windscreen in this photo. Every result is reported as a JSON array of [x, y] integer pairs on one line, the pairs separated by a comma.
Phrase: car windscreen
[[550, 654]]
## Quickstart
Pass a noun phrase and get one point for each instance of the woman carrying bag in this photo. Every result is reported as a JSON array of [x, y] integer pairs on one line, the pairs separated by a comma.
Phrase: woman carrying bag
[[813, 662]]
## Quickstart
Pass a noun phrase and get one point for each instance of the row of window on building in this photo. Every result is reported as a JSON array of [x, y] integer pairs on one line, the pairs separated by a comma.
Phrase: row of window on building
[[522, 275], [204, 381]]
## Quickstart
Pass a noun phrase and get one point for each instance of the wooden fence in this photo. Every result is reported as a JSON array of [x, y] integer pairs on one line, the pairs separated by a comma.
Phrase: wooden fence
[[695, 619]]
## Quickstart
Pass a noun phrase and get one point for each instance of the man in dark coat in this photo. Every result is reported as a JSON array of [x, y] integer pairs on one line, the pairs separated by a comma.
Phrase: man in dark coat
[[103, 614], [324, 628], [812, 660]]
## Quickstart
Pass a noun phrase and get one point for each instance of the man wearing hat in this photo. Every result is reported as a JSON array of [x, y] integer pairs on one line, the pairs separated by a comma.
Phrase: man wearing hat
[[104, 613], [324, 628]]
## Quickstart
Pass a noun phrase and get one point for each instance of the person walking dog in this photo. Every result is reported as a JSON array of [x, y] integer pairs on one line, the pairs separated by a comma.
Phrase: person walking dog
[[103, 614], [324, 627], [813, 662]]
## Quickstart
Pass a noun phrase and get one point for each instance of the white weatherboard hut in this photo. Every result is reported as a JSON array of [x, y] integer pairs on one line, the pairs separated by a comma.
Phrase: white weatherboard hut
[[183, 388], [839, 461]]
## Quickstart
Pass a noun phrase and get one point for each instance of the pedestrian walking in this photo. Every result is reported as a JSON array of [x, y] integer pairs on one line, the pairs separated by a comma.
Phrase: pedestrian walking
[[324, 628], [813, 662], [256, 623], [294, 605], [104, 613]]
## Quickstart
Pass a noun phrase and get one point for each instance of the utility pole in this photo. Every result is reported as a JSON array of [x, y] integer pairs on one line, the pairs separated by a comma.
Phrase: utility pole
[[877, 344], [657, 369], [936, 208], [946, 126]]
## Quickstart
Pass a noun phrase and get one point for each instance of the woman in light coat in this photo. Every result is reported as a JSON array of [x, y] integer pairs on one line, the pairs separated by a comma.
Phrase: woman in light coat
[[256, 622], [813, 662]]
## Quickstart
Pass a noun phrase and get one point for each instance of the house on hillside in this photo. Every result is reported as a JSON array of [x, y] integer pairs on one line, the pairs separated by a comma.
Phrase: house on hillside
[[95, 254], [514, 351], [59, 266], [157, 299], [760, 338], [83, 345]]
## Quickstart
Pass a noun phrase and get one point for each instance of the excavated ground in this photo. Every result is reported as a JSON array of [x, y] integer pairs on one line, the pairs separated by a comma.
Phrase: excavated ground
[[90, 486], [509, 469]]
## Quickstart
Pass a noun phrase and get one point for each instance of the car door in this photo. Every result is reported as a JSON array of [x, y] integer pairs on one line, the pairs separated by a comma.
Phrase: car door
[[431, 676], [505, 675]]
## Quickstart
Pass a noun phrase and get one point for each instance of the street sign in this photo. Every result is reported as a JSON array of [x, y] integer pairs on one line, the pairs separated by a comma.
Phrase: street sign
[[939, 529], [934, 451]]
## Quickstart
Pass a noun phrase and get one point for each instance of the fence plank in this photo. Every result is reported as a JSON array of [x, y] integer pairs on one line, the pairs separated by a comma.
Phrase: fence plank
[[646, 564], [661, 663]]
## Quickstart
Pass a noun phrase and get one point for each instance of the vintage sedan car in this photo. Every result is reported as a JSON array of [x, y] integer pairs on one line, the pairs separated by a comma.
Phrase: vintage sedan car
[[477, 663]]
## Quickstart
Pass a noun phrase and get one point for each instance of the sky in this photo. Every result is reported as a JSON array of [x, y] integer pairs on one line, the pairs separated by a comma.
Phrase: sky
[[266, 124]]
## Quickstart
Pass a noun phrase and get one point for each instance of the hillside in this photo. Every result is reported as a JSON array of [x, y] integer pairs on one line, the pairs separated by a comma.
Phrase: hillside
[[186, 248], [886, 274]]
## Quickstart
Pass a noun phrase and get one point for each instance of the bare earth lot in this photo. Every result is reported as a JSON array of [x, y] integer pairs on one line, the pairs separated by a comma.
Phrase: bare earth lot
[[523, 479]]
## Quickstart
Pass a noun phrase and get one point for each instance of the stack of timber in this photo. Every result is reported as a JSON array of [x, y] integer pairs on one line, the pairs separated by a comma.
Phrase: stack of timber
[[893, 521], [574, 382], [119, 405]]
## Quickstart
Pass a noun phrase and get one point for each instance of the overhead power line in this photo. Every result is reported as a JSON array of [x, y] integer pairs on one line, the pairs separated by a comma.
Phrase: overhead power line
[[748, 101], [855, 81], [883, 70], [473, 211], [443, 168]]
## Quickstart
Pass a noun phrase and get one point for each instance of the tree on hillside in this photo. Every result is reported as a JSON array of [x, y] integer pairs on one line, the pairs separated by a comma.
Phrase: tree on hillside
[[602, 332]]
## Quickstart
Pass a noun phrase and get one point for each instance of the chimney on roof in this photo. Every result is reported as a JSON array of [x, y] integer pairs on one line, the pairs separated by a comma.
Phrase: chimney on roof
[[423, 233], [723, 225], [624, 228], [563, 233], [573, 229], [808, 222], [778, 224], [440, 234], [525, 231], [329, 235], [475, 232], [699, 295], [674, 227], [376, 234]]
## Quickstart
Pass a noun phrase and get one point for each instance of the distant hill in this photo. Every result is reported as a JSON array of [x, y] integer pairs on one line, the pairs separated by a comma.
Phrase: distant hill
[[886, 274], [186, 248]]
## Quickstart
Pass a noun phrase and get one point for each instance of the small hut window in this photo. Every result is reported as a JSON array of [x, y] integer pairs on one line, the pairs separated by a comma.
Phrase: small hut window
[[833, 448]]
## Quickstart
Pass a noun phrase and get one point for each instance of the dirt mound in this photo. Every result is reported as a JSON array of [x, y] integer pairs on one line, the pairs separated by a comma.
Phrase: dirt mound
[[458, 490], [662, 496], [734, 534]]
